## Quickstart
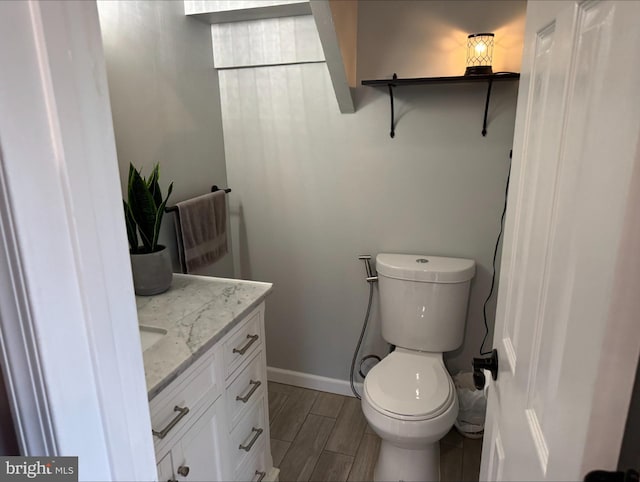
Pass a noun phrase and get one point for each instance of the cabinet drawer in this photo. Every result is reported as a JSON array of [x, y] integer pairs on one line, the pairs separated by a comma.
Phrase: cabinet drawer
[[243, 344], [195, 387], [247, 437], [256, 466], [248, 387]]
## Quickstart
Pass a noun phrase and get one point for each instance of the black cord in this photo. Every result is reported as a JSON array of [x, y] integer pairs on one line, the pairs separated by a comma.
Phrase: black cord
[[495, 255]]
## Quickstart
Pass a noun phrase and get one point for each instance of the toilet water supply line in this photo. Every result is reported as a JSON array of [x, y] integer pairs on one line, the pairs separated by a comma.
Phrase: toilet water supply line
[[371, 279]]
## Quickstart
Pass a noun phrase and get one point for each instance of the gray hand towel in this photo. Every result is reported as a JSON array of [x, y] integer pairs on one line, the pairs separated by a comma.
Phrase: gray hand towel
[[203, 224]]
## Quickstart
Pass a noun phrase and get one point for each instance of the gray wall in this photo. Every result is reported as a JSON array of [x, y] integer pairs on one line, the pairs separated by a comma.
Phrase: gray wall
[[425, 39], [314, 188], [165, 100]]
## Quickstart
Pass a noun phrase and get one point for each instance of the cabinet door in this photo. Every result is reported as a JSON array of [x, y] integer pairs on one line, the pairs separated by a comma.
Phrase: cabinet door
[[165, 469], [201, 453]]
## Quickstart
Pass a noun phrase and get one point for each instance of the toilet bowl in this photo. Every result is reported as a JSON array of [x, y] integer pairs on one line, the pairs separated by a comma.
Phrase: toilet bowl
[[410, 401], [409, 398]]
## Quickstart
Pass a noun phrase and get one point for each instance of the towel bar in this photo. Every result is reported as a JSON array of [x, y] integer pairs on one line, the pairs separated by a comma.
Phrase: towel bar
[[214, 188], [174, 209]]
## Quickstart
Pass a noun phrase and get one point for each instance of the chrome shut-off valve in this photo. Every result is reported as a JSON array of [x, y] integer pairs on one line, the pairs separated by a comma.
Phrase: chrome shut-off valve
[[371, 278]]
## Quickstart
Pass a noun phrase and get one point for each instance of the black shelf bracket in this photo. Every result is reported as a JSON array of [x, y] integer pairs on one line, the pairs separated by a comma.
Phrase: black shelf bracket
[[392, 133], [486, 109], [396, 82]]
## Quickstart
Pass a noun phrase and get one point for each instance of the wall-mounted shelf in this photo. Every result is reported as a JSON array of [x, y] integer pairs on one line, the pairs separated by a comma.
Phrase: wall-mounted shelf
[[461, 79]]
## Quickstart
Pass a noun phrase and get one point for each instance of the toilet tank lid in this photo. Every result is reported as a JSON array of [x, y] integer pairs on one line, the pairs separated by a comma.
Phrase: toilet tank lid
[[433, 269]]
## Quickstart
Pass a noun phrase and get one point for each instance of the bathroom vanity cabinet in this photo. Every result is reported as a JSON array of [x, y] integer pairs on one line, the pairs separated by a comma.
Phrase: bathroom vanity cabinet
[[210, 414]]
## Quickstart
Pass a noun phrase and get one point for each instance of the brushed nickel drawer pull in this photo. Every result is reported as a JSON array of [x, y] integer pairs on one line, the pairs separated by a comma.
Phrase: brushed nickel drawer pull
[[163, 433], [243, 350], [246, 398], [258, 432], [183, 470], [261, 474]]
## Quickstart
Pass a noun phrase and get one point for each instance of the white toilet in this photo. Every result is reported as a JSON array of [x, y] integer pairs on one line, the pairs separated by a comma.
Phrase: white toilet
[[409, 398]]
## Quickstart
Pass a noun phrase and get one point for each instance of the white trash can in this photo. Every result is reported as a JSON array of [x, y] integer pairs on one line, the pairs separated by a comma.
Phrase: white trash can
[[473, 406]]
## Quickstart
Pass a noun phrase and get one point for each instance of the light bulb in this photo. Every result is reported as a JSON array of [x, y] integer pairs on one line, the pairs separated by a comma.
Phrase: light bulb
[[480, 48]]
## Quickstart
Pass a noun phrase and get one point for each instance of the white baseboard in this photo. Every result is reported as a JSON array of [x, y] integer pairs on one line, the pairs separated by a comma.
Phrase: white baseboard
[[315, 382]]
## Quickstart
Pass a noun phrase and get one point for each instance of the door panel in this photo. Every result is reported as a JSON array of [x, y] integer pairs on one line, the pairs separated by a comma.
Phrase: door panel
[[165, 469], [575, 147], [561, 299], [201, 450], [542, 128]]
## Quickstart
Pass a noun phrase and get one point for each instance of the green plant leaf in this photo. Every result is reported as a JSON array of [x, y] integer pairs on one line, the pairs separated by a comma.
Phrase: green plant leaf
[[132, 235], [143, 208], [132, 171], [159, 214], [153, 185]]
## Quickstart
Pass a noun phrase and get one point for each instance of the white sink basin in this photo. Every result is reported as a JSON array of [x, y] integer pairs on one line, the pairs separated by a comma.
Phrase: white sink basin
[[150, 335]]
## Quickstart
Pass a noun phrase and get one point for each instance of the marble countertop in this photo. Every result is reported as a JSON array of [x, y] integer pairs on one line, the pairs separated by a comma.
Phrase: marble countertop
[[197, 311]]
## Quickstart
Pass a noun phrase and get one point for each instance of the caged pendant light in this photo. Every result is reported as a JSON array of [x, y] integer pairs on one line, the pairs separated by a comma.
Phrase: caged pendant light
[[479, 54]]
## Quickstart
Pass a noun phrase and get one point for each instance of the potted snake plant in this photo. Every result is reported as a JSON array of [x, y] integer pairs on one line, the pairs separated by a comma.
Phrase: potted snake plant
[[143, 211]]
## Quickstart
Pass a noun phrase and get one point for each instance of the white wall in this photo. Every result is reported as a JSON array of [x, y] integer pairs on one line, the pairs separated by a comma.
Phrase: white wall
[[207, 6], [314, 188], [266, 42], [165, 100]]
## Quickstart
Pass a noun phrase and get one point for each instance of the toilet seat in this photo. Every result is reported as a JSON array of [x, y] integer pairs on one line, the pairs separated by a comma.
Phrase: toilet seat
[[409, 385]]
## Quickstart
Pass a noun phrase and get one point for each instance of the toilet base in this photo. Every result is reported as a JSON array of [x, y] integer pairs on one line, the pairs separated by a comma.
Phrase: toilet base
[[408, 465]]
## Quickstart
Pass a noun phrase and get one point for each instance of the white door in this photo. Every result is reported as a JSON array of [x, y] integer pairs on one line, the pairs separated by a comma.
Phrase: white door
[[69, 341], [567, 330]]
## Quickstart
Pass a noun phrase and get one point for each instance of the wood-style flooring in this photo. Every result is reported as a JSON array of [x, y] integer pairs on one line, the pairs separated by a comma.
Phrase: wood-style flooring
[[319, 436]]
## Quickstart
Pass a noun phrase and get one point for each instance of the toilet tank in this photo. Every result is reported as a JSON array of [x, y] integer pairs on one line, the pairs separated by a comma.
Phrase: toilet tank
[[423, 300]]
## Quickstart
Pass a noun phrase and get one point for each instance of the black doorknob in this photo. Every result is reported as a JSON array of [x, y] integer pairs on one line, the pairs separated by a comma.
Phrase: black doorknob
[[489, 363]]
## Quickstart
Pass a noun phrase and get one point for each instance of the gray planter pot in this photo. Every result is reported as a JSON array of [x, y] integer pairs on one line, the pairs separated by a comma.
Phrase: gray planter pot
[[152, 272]]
